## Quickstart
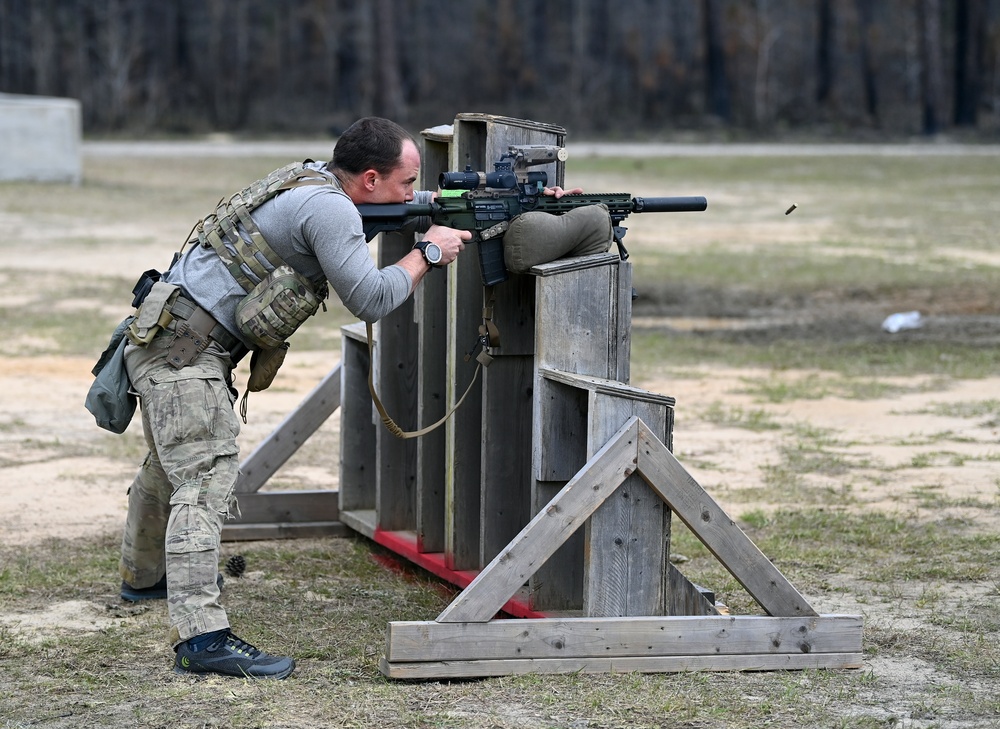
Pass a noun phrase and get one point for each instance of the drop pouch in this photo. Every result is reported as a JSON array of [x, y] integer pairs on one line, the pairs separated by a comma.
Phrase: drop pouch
[[277, 306], [109, 399]]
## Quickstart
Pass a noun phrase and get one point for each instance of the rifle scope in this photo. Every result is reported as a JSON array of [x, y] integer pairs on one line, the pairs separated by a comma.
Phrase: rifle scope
[[499, 180]]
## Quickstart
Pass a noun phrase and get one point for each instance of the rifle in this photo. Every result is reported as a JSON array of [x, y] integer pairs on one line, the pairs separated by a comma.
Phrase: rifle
[[493, 199]]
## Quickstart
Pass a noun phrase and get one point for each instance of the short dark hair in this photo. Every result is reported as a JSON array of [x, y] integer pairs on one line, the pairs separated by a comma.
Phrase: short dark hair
[[370, 143]]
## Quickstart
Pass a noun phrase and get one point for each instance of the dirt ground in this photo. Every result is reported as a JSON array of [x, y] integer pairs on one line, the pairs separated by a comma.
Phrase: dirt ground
[[64, 477], [81, 492], [61, 476]]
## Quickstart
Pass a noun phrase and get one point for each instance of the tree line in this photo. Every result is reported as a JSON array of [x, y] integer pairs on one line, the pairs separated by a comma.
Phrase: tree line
[[610, 67]]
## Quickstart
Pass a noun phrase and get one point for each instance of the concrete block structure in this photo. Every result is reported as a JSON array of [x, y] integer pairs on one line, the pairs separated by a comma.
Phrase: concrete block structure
[[40, 139]]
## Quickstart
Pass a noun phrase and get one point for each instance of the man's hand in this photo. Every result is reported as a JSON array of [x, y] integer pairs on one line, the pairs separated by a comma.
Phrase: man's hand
[[451, 241], [558, 192]]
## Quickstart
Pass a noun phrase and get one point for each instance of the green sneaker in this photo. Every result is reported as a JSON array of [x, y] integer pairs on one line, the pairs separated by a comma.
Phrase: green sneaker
[[155, 592], [230, 656]]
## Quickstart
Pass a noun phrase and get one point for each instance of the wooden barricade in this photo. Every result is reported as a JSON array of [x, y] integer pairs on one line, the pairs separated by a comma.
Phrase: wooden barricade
[[548, 495]]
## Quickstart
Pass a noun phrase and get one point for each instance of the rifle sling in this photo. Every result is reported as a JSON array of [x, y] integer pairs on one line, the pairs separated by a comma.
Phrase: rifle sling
[[389, 423]]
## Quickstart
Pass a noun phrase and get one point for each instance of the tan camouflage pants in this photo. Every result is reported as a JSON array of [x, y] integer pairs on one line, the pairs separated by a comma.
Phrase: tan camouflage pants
[[183, 491]]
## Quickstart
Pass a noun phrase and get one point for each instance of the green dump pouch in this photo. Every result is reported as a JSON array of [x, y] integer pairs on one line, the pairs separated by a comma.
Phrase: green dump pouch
[[109, 399], [536, 237], [276, 307]]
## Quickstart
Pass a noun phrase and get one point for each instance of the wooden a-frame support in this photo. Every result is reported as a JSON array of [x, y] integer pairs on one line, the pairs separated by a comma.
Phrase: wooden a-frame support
[[465, 640], [288, 514]]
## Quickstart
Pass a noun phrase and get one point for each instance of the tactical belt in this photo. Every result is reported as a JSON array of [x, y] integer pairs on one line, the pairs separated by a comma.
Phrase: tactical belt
[[194, 328]]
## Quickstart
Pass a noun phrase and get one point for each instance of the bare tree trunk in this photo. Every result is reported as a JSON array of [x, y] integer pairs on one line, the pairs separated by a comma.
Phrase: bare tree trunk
[[358, 67], [970, 29], [579, 58], [824, 52], [44, 55], [764, 45], [931, 85], [16, 74], [864, 9], [715, 63], [389, 88]]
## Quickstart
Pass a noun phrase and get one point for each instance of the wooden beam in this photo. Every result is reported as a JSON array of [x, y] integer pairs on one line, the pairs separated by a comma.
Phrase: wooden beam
[[602, 638], [686, 598], [548, 530], [717, 531], [285, 515], [605, 386], [627, 664], [289, 436], [576, 263], [286, 506], [298, 530]]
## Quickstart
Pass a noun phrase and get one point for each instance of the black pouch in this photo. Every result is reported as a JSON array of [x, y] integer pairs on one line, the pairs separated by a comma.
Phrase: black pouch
[[143, 285]]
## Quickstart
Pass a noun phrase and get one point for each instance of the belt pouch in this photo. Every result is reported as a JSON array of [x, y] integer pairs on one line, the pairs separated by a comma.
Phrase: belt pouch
[[154, 314]]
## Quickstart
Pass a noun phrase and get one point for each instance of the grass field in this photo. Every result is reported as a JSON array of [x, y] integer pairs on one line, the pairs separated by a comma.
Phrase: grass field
[[864, 465]]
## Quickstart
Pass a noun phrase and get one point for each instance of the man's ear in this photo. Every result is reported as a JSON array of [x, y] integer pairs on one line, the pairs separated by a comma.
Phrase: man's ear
[[368, 179]]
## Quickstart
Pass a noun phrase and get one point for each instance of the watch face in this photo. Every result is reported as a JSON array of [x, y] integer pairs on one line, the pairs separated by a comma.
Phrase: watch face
[[432, 252]]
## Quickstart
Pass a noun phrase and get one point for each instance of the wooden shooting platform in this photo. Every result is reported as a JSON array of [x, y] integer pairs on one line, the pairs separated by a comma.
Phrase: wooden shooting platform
[[548, 495]]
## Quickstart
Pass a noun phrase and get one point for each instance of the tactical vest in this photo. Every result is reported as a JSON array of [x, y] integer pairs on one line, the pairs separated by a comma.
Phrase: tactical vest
[[278, 298]]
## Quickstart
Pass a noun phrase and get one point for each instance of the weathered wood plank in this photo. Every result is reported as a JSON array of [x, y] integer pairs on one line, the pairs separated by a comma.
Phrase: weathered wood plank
[[290, 434], [431, 317], [575, 263], [506, 453], [719, 533], [573, 328], [686, 598], [481, 600], [560, 431], [297, 530], [396, 385], [604, 386], [627, 549], [559, 451], [629, 664], [620, 637], [357, 429], [430, 304], [463, 434], [286, 506], [620, 356], [362, 521], [491, 120]]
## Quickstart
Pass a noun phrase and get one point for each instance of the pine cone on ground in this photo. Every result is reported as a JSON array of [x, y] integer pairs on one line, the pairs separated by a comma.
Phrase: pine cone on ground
[[236, 565]]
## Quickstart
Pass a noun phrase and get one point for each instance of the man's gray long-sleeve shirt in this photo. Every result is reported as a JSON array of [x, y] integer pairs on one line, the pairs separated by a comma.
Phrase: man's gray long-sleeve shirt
[[316, 229]]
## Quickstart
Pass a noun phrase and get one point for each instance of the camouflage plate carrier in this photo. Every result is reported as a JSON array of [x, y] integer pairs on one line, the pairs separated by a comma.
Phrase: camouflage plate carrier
[[278, 298]]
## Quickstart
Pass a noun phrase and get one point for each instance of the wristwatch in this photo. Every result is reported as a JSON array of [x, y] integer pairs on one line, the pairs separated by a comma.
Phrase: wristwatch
[[431, 251]]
